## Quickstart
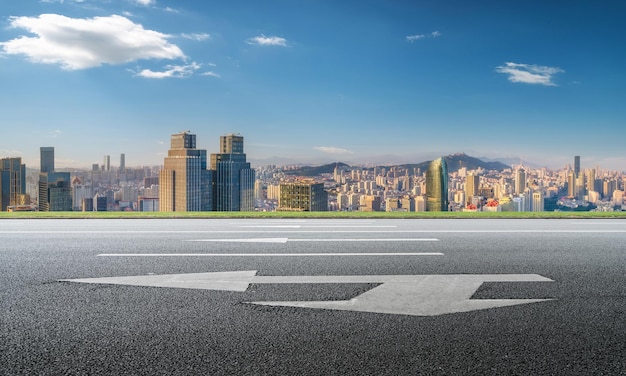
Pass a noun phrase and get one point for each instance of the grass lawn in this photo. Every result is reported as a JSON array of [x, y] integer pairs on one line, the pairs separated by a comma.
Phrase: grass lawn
[[333, 215]]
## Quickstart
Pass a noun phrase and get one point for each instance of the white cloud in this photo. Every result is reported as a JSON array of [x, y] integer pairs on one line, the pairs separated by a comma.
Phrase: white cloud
[[262, 40], [145, 3], [332, 150], [413, 38], [172, 71], [171, 10], [211, 74], [76, 43], [529, 73], [195, 36], [55, 133]]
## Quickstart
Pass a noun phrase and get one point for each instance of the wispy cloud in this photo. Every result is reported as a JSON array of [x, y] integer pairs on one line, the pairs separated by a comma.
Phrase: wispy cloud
[[530, 73], [413, 38], [211, 74], [172, 71], [196, 36], [332, 150], [145, 3], [5, 152], [262, 40], [76, 43]]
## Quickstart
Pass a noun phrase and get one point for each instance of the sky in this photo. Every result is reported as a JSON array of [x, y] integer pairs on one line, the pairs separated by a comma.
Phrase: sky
[[315, 81]]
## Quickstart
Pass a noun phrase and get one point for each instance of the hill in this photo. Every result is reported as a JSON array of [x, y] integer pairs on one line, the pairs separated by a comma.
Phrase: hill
[[454, 161]]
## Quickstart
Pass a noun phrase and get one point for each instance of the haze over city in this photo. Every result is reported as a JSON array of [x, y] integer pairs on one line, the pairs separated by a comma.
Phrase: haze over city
[[314, 81]]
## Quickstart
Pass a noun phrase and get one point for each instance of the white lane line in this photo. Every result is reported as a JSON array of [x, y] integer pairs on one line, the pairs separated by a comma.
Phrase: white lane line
[[285, 240], [337, 254], [600, 223], [249, 240], [314, 232], [315, 226]]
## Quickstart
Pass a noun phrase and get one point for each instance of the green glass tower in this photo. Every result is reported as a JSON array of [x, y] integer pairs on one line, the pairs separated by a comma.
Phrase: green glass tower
[[437, 186]]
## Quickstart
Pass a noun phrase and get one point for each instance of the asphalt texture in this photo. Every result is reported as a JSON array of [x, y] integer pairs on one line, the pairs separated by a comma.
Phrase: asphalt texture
[[52, 327]]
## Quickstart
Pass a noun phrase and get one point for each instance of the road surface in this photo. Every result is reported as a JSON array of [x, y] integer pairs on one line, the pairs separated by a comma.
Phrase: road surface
[[311, 297]]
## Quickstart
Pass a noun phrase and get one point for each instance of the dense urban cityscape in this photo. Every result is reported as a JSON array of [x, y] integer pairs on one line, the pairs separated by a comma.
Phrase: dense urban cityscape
[[188, 180]]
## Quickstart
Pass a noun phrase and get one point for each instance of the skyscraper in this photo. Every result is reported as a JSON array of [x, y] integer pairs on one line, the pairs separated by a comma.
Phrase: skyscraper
[[122, 163], [437, 185], [520, 181], [55, 189], [233, 177], [185, 182], [12, 183], [576, 165], [46, 158], [107, 163]]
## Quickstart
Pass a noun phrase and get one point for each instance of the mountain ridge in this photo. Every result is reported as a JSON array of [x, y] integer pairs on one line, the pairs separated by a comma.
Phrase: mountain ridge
[[454, 161]]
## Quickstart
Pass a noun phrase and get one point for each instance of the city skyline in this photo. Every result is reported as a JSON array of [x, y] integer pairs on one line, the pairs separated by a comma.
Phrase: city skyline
[[314, 82]]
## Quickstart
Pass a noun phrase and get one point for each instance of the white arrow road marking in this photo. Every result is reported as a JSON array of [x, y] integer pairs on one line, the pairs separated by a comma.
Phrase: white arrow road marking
[[415, 295]]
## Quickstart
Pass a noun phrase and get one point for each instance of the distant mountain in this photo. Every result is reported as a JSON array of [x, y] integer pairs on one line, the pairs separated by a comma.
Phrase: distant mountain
[[317, 170], [454, 161], [457, 161]]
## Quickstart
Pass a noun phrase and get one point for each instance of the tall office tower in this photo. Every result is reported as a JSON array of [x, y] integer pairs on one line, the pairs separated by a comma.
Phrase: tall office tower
[[122, 163], [472, 182], [576, 165], [12, 183], [233, 178], [185, 182], [55, 188], [46, 159], [520, 181], [302, 196], [437, 185], [107, 163], [55, 191]]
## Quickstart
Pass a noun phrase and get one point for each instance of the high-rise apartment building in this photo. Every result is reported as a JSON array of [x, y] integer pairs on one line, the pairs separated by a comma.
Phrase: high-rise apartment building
[[538, 203], [12, 183], [302, 196], [46, 159], [472, 183], [185, 182], [233, 178], [520, 181], [437, 185]]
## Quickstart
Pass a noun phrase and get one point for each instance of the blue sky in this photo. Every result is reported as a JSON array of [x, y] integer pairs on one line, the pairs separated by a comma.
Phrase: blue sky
[[315, 81]]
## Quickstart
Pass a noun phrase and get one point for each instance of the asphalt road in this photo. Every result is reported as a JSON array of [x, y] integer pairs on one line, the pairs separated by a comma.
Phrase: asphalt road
[[52, 326]]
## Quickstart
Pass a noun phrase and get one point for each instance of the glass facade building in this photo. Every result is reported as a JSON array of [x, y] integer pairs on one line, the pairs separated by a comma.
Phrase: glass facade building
[[233, 188], [437, 185], [55, 191], [185, 182], [12, 183]]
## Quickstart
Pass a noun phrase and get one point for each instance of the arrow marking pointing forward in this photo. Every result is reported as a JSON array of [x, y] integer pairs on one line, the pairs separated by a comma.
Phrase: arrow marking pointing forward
[[415, 295]]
